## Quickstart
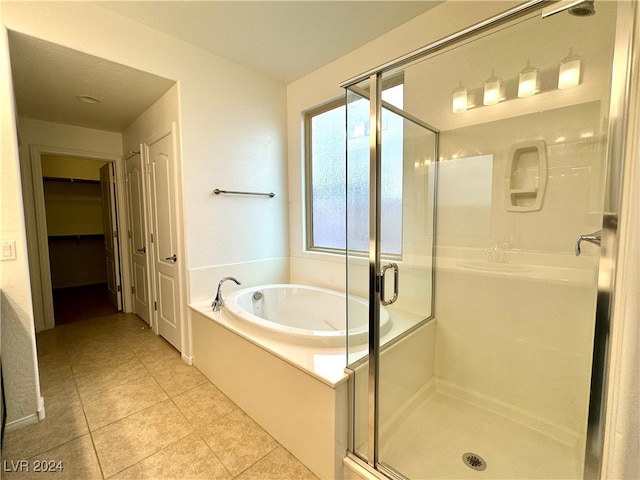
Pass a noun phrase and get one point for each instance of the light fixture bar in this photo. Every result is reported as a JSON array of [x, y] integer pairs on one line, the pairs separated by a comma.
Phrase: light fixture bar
[[558, 7], [515, 12]]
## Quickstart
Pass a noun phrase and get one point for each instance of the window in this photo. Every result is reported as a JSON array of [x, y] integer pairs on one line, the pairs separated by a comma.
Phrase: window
[[326, 143]]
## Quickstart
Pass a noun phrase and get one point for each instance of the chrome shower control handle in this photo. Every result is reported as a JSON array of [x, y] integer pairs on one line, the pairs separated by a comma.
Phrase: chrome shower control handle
[[595, 238]]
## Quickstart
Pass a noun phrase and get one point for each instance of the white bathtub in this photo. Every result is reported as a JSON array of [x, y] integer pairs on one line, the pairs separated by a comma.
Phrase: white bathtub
[[293, 364], [303, 314], [293, 361]]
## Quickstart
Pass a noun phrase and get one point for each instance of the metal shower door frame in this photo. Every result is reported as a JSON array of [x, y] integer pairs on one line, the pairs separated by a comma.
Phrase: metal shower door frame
[[619, 98]]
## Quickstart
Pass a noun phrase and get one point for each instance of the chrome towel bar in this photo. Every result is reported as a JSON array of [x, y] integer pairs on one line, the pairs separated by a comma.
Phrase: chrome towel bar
[[217, 191]]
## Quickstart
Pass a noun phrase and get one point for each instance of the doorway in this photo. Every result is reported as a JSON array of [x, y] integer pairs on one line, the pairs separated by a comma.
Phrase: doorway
[[100, 127], [78, 236], [82, 237]]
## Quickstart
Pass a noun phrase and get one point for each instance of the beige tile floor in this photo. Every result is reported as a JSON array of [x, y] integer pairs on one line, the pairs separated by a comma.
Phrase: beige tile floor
[[121, 404]]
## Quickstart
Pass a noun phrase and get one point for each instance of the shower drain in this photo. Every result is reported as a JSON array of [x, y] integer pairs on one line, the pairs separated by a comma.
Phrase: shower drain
[[474, 461]]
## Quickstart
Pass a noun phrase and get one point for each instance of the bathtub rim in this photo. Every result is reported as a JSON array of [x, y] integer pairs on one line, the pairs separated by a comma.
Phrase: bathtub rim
[[277, 348], [299, 335]]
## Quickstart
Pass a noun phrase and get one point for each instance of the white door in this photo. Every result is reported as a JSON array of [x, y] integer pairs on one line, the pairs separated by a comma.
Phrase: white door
[[138, 238], [164, 235], [112, 251]]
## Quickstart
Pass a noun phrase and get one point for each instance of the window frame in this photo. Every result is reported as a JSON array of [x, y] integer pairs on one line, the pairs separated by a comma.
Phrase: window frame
[[308, 174], [387, 83]]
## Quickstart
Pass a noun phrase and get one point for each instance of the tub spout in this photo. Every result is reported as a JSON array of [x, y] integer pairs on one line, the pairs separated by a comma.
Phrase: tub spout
[[219, 301]]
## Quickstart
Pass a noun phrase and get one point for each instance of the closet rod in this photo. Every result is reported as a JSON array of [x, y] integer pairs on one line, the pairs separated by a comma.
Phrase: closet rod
[[133, 153], [70, 180], [77, 236]]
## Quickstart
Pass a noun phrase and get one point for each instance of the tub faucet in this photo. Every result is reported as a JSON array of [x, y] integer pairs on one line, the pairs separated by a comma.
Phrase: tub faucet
[[219, 301]]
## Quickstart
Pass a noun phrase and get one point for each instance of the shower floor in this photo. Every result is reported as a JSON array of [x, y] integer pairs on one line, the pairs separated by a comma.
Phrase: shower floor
[[431, 441]]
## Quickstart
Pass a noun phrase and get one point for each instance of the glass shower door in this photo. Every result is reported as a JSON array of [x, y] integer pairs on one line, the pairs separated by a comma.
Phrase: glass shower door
[[397, 269], [516, 126]]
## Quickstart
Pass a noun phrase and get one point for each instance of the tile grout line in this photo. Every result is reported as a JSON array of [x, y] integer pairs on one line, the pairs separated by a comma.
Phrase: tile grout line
[[93, 443], [227, 415], [196, 431], [168, 397], [261, 458], [77, 335], [91, 432]]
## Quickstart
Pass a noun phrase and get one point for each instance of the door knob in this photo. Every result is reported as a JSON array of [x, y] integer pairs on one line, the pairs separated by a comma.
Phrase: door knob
[[141, 250], [172, 258]]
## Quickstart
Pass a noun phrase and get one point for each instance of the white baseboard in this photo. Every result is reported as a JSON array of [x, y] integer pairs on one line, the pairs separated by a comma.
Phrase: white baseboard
[[41, 412], [187, 359], [22, 422]]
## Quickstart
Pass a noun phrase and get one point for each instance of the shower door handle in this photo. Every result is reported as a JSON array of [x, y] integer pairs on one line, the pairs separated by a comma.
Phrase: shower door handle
[[396, 275], [595, 238]]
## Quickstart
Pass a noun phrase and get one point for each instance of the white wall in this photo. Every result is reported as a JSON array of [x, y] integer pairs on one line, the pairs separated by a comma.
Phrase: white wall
[[324, 84], [19, 363], [232, 132], [231, 120]]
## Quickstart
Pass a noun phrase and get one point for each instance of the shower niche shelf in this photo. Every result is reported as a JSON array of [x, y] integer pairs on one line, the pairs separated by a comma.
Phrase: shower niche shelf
[[526, 176]]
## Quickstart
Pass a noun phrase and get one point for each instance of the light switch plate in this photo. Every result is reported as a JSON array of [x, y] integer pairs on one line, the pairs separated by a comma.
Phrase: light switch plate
[[8, 250]]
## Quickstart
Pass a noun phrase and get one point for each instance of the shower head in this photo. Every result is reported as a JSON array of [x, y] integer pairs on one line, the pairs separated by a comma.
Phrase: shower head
[[583, 9]]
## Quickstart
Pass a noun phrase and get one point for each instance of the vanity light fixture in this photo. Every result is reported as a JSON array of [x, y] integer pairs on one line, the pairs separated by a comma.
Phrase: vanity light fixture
[[460, 99], [492, 90], [528, 82], [570, 72]]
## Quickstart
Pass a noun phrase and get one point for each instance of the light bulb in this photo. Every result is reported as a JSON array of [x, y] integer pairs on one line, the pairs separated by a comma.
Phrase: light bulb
[[459, 102], [528, 81], [569, 74], [491, 90]]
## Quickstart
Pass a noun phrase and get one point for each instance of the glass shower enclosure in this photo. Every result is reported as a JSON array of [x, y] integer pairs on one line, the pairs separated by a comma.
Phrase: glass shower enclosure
[[481, 179]]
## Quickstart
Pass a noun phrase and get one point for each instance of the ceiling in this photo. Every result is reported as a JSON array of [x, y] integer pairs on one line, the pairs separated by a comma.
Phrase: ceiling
[[47, 79], [282, 39]]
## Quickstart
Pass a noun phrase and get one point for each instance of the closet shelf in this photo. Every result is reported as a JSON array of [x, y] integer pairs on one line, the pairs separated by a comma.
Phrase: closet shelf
[[78, 236], [70, 180]]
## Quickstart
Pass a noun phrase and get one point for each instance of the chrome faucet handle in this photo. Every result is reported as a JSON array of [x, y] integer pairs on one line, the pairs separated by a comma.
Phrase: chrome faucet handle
[[595, 238]]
